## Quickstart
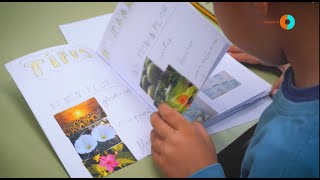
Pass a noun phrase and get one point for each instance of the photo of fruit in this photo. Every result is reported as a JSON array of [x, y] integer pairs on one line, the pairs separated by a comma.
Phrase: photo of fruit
[[175, 90], [150, 78]]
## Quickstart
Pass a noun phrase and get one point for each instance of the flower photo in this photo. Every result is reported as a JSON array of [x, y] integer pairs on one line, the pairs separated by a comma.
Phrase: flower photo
[[103, 133], [175, 90], [94, 139], [79, 117], [168, 86], [85, 144], [109, 161]]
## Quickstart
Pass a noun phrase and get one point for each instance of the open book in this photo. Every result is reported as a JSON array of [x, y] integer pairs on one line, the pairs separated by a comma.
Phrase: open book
[[94, 105]]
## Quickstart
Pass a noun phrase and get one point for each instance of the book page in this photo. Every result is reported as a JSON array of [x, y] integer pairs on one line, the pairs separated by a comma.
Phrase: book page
[[230, 88], [231, 84], [86, 32], [252, 112], [95, 123], [144, 41], [199, 109]]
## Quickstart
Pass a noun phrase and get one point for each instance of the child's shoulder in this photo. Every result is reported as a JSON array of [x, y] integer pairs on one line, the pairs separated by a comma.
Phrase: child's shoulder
[[286, 140], [293, 114]]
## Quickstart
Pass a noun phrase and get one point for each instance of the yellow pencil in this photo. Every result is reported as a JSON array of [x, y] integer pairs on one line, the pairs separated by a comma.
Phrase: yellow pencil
[[205, 11]]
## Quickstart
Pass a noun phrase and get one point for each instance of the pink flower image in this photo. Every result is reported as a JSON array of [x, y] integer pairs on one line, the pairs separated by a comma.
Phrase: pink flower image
[[108, 162]]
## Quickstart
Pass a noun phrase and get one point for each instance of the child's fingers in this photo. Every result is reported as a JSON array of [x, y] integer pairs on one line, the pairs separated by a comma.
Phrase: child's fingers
[[202, 132], [246, 58], [161, 127], [234, 49], [156, 156], [172, 117], [283, 68], [153, 150], [155, 141], [276, 85]]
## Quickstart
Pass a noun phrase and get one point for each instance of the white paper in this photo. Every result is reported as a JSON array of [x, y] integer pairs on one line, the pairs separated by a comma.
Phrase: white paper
[[56, 79], [252, 112], [250, 85], [167, 33], [86, 32]]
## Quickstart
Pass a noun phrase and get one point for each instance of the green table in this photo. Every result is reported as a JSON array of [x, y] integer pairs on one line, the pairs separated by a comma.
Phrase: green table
[[24, 149]]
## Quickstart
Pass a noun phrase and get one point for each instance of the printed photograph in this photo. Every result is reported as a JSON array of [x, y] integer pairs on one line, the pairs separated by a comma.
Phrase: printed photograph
[[219, 84], [175, 90], [109, 161], [199, 111], [87, 127], [150, 78]]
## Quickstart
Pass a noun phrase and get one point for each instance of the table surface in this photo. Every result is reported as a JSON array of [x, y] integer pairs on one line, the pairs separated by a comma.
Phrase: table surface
[[24, 149]]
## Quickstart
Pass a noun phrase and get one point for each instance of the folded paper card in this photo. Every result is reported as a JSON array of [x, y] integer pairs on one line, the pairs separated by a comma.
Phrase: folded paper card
[[252, 111]]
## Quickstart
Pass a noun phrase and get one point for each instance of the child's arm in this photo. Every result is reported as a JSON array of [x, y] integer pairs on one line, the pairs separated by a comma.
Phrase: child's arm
[[180, 148]]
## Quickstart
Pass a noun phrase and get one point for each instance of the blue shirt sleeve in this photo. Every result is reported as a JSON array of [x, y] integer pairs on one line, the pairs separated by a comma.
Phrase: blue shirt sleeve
[[212, 171]]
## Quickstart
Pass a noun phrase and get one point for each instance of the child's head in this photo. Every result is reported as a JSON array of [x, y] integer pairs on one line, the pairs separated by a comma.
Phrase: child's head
[[255, 27]]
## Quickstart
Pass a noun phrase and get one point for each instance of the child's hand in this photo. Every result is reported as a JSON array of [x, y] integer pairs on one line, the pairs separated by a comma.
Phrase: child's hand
[[178, 147], [243, 57]]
